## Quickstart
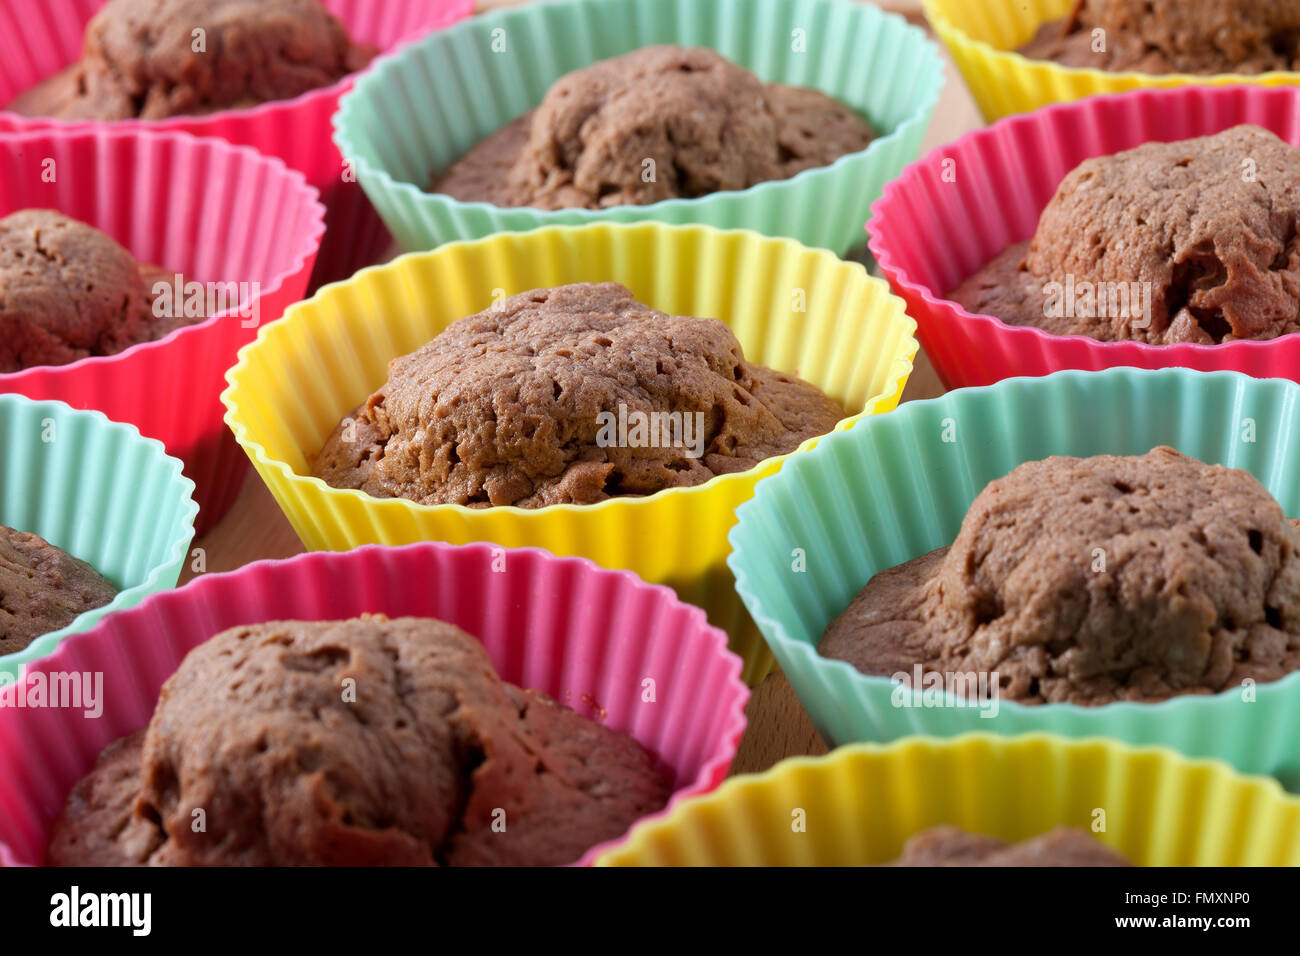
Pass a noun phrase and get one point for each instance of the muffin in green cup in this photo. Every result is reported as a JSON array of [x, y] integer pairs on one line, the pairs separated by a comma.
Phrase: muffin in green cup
[[895, 488], [103, 494], [417, 112]]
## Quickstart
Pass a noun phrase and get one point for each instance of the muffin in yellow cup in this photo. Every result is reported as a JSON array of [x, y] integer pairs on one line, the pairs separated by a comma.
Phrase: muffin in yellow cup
[[799, 310], [860, 804], [983, 36]]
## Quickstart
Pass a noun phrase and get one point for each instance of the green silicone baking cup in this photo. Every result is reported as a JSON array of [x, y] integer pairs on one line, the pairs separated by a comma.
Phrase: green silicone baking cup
[[100, 491], [897, 486], [419, 110]]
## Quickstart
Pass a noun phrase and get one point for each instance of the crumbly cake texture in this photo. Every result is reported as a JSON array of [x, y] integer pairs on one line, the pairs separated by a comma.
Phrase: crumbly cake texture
[[1092, 580], [43, 589], [68, 292], [1173, 36], [662, 122], [1205, 227], [505, 407], [421, 765], [1062, 846], [142, 59]]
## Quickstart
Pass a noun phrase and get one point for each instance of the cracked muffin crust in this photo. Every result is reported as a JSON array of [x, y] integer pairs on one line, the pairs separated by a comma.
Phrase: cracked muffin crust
[[504, 407], [43, 589], [139, 59], [1174, 36], [361, 742], [952, 846], [1209, 224], [68, 292], [1092, 580], [658, 123]]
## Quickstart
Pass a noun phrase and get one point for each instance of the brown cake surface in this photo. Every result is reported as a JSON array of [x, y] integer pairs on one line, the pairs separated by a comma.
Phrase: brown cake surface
[[505, 407], [662, 122], [1092, 580], [139, 59], [1206, 228], [1062, 846], [42, 589], [99, 825], [360, 742], [68, 292], [1173, 36]]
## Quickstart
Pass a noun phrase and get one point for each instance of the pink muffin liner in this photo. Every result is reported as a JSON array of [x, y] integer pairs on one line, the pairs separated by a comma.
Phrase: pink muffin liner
[[201, 207], [588, 636], [42, 38], [961, 205]]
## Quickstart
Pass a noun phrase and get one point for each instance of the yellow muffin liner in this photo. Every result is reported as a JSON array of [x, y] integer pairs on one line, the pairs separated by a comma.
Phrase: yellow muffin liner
[[307, 371], [981, 35], [860, 804]]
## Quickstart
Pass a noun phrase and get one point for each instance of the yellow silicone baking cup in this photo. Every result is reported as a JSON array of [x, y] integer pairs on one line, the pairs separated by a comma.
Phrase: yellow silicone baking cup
[[982, 35], [860, 804], [803, 311]]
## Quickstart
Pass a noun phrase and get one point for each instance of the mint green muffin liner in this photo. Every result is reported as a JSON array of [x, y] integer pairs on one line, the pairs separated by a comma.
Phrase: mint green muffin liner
[[897, 486], [100, 491], [420, 109]]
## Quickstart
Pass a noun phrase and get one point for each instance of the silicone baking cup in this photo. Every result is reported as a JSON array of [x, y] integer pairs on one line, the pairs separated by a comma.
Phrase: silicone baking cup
[[48, 36], [200, 207], [893, 488], [417, 112], [306, 372], [99, 491], [981, 37], [861, 803], [613, 648], [965, 202]]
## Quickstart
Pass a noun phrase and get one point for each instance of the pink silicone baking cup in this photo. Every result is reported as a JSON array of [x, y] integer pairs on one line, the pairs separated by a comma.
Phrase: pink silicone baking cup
[[961, 205], [592, 638], [203, 208], [42, 38]]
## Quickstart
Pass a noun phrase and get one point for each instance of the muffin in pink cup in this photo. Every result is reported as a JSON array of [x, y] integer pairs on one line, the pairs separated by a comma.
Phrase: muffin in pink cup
[[287, 116], [175, 250], [625, 663], [1065, 178]]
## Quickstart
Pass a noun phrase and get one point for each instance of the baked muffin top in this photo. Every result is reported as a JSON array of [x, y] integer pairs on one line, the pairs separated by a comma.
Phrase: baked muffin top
[[1174, 36], [360, 742], [662, 122], [1193, 241], [520, 404], [152, 59], [42, 589], [952, 846], [1092, 580], [69, 291]]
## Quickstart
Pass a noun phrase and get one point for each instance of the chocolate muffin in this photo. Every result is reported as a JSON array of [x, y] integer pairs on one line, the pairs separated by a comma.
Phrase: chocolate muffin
[[362, 742], [68, 292], [536, 401], [659, 123], [145, 59], [952, 846], [1092, 580], [1173, 36], [42, 589], [1194, 241]]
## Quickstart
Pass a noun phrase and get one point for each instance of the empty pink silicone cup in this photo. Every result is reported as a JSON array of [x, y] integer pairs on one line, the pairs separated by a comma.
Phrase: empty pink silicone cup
[[43, 38], [618, 650], [203, 208], [965, 202]]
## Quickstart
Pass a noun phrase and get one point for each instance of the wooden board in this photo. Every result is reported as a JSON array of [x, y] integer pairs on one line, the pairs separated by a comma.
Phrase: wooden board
[[778, 726]]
